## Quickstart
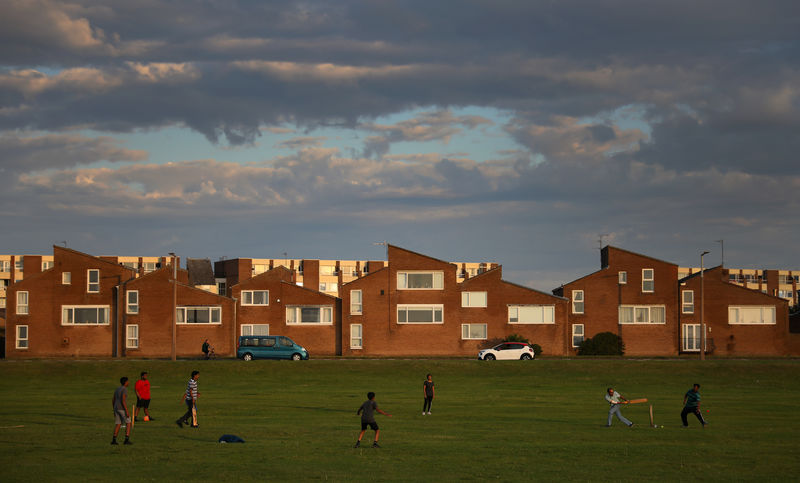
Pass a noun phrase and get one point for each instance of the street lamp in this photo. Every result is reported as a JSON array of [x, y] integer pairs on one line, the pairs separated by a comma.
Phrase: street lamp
[[702, 309], [174, 304]]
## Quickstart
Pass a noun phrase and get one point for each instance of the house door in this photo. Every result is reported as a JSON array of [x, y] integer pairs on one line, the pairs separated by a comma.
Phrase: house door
[[690, 337]]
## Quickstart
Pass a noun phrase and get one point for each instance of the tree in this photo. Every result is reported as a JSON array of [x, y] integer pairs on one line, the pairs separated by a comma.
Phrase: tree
[[602, 344]]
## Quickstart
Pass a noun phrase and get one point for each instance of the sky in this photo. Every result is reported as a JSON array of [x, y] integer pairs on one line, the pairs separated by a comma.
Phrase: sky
[[525, 133]]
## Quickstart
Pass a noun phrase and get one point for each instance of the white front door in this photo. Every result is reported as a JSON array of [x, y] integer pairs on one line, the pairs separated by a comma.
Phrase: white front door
[[690, 337]]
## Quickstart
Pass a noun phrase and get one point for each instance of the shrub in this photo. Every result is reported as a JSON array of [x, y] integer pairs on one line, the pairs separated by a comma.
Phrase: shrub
[[537, 349], [516, 338], [602, 344]]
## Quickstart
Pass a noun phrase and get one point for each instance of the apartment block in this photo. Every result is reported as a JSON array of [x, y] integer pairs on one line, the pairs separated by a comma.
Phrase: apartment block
[[780, 283]]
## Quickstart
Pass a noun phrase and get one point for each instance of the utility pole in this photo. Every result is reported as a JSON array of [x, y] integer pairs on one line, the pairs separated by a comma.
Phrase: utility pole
[[174, 304], [702, 310]]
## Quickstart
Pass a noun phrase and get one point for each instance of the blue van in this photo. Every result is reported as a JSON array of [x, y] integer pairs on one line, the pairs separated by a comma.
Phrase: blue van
[[269, 347]]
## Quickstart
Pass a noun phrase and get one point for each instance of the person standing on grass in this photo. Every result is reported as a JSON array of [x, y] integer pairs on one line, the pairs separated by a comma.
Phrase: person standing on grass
[[691, 404], [367, 412], [121, 415], [615, 399], [427, 394], [142, 389], [190, 398]]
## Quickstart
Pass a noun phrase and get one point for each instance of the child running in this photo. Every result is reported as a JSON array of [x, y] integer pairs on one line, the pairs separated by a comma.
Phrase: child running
[[367, 412]]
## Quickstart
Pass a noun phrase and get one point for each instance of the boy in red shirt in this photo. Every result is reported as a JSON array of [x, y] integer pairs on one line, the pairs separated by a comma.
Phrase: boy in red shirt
[[142, 397]]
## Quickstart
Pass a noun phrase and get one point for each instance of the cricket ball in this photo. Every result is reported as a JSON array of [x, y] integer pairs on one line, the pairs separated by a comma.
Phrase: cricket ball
[[147, 418]]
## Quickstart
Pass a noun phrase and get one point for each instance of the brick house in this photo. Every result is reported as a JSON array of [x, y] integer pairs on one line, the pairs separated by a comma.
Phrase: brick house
[[416, 306], [632, 295], [739, 321], [271, 303]]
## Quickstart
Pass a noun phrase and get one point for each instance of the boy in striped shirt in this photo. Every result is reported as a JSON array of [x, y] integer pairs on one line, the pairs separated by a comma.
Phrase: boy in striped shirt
[[190, 398]]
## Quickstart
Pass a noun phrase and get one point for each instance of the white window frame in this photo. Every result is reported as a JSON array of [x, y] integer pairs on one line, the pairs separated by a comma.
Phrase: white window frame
[[68, 315], [328, 286], [651, 280], [545, 313], [132, 302], [251, 329], [356, 302], [247, 297], [437, 279], [687, 307], [356, 336], [474, 299], [180, 315], [578, 300], [22, 342], [575, 333], [48, 264], [149, 267], [434, 308], [295, 312], [66, 278], [131, 265], [641, 312], [622, 278], [132, 336], [23, 307], [767, 314], [685, 340], [467, 331], [89, 283], [5, 266]]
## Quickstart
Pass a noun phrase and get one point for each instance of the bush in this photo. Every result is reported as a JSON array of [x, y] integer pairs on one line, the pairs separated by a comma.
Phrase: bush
[[602, 344], [516, 338], [537, 349]]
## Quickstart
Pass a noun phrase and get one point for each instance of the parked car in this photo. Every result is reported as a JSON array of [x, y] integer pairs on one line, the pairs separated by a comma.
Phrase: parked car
[[507, 351], [269, 347]]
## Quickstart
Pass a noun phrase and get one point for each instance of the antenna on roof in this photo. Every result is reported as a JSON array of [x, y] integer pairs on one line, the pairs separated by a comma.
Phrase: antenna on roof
[[65, 243], [600, 237]]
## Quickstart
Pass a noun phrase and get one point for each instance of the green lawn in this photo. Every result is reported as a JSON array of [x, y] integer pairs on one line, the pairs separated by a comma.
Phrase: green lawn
[[508, 421]]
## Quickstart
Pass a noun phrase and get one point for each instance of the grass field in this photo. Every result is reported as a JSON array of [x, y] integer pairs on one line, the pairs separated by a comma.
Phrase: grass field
[[507, 421]]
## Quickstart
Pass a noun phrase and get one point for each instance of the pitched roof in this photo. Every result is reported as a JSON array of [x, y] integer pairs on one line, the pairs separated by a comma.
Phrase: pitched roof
[[200, 271]]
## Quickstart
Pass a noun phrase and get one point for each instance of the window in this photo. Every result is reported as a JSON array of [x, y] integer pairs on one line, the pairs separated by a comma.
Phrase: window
[[260, 268], [356, 336], [648, 280], [149, 266], [131, 265], [198, 315], [84, 315], [132, 337], [577, 301], [687, 297], [22, 337], [355, 302], [47, 265], [221, 288], [577, 335], [328, 286], [420, 314], [255, 329], [22, 303], [473, 331], [93, 281], [309, 314], [5, 266], [623, 278], [690, 337], [642, 314], [420, 280], [751, 315], [327, 270], [255, 297], [66, 278], [473, 299], [132, 305], [19, 264], [531, 314]]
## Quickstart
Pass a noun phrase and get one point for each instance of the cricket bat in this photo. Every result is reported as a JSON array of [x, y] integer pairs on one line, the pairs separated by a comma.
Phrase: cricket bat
[[636, 401], [651, 416], [194, 415]]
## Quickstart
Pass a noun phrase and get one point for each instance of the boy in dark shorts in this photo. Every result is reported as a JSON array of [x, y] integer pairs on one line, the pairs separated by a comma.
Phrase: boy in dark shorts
[[367, 412], [121, 415], [142, 389]]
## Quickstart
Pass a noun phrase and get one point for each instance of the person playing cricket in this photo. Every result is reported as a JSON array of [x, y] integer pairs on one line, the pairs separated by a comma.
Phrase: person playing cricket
[[121, 415], [615, 399], [142, 389], [190, 398], [367, 412], [691, 404], [427, 394]]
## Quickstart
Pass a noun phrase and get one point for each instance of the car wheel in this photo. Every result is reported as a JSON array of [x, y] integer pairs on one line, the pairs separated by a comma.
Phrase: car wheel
[[526, 357], [296, 357], [489, 357], [248, 357]]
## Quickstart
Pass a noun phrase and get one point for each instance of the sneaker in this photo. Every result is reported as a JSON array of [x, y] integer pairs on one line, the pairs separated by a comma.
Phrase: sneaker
[[127, 441], [358, 444], [376, 445], [195, 426], [631, 425], [114, 441], [429, 413], [423, 413], [179, 423]]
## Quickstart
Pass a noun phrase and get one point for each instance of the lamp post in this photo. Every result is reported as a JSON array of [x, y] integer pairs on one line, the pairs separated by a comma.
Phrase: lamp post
[[174, 304], [702, 309]]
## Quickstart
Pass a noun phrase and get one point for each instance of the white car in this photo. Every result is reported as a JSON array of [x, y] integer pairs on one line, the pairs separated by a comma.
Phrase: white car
[[507, 351]]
